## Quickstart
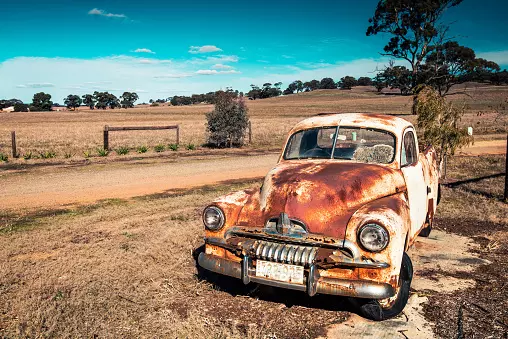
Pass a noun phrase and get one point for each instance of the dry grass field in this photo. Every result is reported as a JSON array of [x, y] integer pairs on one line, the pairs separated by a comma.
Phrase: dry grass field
[[73, 133], [125, 269]]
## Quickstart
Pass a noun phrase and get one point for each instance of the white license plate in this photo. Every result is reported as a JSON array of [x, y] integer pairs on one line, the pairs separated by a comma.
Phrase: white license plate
[[281, 272]]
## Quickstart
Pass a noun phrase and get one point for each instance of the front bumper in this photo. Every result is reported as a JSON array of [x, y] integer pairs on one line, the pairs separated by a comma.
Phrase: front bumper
[[313, 283]]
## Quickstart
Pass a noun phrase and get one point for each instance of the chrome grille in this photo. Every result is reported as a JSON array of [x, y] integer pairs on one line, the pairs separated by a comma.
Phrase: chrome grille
[[285, 253]]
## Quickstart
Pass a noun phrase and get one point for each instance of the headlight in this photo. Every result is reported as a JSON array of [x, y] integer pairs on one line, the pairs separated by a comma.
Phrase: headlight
[[373, 237], [213, 218]]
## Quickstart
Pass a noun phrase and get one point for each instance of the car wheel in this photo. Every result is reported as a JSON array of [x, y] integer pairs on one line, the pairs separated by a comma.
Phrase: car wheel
[[388, 308]]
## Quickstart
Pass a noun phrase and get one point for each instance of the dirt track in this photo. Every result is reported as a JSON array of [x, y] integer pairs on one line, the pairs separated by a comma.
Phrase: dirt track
[[48, 187], [57, 186]]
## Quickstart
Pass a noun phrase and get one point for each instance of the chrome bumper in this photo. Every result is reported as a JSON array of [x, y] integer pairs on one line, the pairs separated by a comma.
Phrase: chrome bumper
[[313, 283]]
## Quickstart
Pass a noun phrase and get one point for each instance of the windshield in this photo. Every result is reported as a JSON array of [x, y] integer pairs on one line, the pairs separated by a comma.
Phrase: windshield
[[350, 143]]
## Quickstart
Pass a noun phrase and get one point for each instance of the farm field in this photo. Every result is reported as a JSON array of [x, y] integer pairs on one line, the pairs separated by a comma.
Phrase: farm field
[[69, 134], [105, 247]]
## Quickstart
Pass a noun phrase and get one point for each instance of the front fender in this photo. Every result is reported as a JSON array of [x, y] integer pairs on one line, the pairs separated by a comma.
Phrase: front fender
[[392, 213]]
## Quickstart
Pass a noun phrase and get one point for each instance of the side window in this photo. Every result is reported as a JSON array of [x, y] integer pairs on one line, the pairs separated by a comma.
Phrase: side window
[[409, 152]]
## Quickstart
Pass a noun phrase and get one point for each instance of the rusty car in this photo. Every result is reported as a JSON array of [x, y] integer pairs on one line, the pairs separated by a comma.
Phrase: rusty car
[[337, 214]]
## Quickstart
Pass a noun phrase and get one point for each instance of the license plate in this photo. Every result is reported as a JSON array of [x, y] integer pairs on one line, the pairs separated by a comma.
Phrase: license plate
[[281, 272]]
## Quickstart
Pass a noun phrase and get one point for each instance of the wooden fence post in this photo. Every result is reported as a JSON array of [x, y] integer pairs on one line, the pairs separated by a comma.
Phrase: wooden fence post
[[178, 134], [13, 137], [506, 172], [106, 138], [250, 133]]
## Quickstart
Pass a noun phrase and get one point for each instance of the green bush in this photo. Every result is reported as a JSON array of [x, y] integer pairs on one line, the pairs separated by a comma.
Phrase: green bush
[[28, 155], [159, 148], [102, 152], [228, 122], [47, 154], [142, 149], [4, 157], [87, 154], [173, 147], [122, 150], [191, 147], [68, 155]]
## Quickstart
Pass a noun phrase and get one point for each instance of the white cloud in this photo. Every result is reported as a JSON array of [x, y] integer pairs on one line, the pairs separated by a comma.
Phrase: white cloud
[[214, 72], [222, 66], [143, 50], [102, 12], [287, 56], [204, 49], [499, 57], [176, 75], [36, 85]]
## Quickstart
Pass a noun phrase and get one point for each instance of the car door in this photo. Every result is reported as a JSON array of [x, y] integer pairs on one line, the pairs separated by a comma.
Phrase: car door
[[412, 170]]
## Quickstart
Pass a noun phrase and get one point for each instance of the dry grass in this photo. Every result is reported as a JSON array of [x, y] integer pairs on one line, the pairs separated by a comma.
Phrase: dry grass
[[72, 133], [125, 269]]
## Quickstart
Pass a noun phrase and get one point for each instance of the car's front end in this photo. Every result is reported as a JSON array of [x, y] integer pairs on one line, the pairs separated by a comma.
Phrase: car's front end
[[318, 224]]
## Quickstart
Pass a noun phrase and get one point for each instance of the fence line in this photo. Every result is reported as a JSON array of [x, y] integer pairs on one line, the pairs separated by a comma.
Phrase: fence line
[[108, 129]]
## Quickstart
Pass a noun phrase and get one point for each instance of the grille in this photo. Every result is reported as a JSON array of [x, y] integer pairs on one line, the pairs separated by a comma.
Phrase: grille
[[285, 253]]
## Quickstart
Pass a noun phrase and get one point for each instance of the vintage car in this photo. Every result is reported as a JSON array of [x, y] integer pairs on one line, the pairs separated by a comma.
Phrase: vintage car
[[336, 215]]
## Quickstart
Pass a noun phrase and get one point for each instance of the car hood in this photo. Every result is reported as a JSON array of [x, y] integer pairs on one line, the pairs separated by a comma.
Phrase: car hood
[[325, 194]]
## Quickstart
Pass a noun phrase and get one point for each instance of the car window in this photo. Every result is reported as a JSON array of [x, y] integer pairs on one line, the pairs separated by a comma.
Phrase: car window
[[409, 153], [364, 145], [313, 143]]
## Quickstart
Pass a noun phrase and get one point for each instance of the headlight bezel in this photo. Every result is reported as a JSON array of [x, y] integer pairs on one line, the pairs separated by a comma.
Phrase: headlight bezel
[[221, 215], [377, 226]]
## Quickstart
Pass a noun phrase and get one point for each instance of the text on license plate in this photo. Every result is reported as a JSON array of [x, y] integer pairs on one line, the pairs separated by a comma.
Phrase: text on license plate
[[281, 272]]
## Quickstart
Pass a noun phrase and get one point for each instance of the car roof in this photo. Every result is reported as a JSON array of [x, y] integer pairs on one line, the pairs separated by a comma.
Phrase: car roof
[[389, 123]]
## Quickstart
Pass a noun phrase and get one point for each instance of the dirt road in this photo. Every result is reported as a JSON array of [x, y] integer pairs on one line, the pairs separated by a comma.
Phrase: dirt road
[[48, 187], [57, 186]]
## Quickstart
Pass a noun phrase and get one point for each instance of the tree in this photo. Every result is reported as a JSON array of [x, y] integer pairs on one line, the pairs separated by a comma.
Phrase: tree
[[20, 107], [347, 82], [228, 122], [397, 77], [364, 81], [89, 100], [9, 103], [311, 85], [379, 82], [450, 64], [438, 120], [128, 99], [105, 100], [41, 102], [327, 83], [414, 26], [72, 101]]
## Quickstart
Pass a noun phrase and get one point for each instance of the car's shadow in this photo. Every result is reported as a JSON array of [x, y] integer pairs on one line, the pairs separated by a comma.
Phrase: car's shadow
[[286, 297]]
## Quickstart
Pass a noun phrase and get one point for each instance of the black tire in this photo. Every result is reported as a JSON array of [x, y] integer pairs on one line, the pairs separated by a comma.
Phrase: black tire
[[377, 310]]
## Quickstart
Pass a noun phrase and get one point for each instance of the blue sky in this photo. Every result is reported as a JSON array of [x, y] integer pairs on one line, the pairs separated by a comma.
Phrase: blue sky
[[165, 48]]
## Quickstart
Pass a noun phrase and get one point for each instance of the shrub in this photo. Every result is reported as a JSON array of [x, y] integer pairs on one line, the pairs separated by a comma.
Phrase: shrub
[[439, 120], [191, 147], [155, 104], [159, 148], [4, 157], [173, 147], [28, 155], [142, 149], [87, 154], [228, 122], [68, 155], [47, 154], [122, 150], [102, 152]]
